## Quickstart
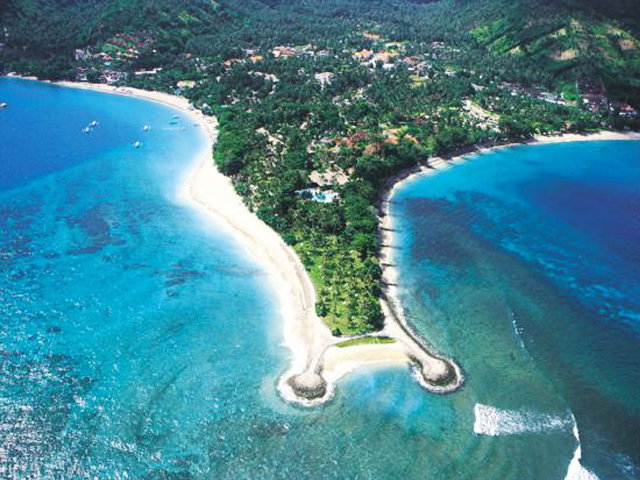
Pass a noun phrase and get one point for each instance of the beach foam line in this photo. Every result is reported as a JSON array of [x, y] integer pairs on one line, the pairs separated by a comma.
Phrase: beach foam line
[[494, 422], [576, 470]]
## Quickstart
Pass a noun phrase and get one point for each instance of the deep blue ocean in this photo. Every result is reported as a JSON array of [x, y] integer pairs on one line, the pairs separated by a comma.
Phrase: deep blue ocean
[[138, 340]]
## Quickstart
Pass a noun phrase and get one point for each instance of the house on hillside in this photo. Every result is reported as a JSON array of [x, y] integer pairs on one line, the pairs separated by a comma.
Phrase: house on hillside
[[363, 54], [324, 78], [595, 102], [593, 93], [229, 63], [329, 178], [81, 54], [623, 109], [149, 73], [284, 52], [114, 76], [371, 36], [186, 84], [384, 56]]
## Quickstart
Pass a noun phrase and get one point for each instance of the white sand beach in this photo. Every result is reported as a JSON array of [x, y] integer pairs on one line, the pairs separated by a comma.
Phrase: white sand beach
[[339, 361], [208, 190], [305, 334], [316, 364]]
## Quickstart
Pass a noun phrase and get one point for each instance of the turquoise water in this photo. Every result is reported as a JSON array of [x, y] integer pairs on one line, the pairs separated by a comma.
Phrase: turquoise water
[[524, 264], [138, 340]]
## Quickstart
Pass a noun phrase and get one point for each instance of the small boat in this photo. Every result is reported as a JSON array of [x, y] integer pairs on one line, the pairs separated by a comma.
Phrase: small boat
[[146, 128], [93, 124], [137, 144], [3, 105], [86, 130]]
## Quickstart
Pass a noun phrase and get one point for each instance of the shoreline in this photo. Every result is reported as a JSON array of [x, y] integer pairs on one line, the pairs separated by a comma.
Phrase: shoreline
[[392, 306], [432, 165], [315, 362], [212, 193]]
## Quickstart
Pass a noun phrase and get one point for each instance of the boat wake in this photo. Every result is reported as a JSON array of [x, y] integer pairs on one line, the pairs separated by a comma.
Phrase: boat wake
[[494, 422]]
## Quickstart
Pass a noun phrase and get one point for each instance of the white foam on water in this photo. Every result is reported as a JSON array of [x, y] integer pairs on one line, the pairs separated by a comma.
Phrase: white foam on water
[[576, 470], [493, 421]]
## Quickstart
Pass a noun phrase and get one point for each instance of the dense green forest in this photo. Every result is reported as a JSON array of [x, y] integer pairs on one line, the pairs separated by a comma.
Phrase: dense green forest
[[320, 102]]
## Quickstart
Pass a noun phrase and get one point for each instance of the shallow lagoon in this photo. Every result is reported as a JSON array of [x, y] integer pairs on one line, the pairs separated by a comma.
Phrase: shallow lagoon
[[138, 338]]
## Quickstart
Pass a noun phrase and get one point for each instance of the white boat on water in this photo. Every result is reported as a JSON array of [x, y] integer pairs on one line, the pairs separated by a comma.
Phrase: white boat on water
[[137, 144], [146, 128], [86, 130], [93, 124], [3, 105]]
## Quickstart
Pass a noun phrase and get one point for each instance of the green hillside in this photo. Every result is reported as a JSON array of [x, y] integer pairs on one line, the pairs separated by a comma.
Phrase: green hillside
[[542, 42], [538, 41], [568, 41], [320, 102]]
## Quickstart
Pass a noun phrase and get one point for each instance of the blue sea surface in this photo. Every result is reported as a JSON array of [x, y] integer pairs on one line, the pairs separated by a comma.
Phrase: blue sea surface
[[139, 341], [524, 264], [122, 312]]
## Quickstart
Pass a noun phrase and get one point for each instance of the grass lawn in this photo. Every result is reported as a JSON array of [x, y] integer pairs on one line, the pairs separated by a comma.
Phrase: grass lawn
[[365, 341]]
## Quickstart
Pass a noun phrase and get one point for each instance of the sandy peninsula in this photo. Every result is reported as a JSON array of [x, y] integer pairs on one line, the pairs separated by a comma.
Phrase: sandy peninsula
[[211, 192], [305, 334], [316, 362]]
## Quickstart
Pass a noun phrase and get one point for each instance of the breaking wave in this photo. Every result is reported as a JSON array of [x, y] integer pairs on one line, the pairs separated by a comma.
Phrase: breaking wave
[[493, 421], [576, 470]]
